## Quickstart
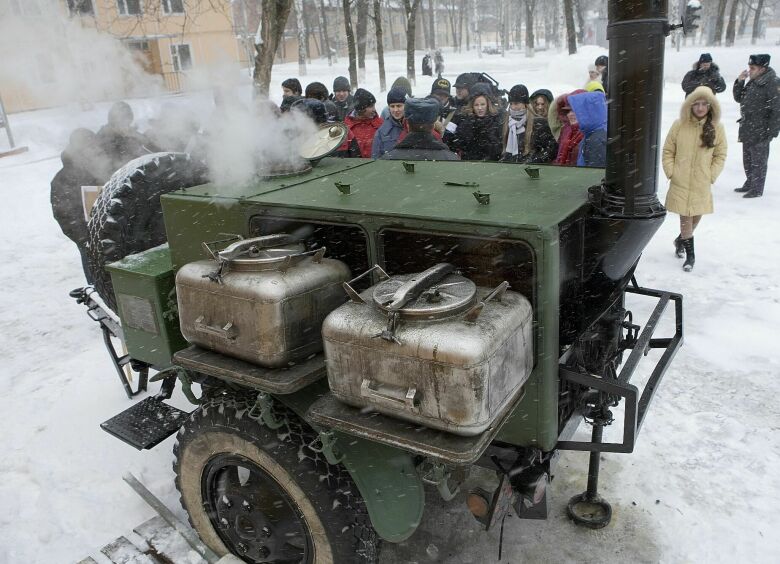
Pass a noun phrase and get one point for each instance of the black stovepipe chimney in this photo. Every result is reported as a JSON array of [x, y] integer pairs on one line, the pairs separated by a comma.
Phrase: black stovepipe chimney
[[637, 32]]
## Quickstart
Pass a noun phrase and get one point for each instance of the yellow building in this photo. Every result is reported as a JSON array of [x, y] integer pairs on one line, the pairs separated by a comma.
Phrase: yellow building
[[59, 51]]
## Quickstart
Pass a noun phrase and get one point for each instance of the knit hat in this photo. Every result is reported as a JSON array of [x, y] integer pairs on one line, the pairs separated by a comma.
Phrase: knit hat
[[601, 60], [705, 58], [441, 86], [341, 84], [465, 80], [293, 84], [403, 82], [362, 99], [481, 89], [518, 93], [761, 60], [396, 95], [317, 90], [543, 92], [421, 110]]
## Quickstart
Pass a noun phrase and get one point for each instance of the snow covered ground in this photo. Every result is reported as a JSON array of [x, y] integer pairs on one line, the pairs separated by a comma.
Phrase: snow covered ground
[[702, 485]]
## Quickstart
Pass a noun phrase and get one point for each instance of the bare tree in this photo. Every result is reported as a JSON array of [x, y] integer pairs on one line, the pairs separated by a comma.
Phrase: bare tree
[[431, 22], [747, 8], [301, 31], [324, 28], [273, 21], [362, 32], [353, 75], [719, 18], [757, 23], [529, 28], [571, 33], [580, 21], [380, 47], [732, 27], [410, 12]]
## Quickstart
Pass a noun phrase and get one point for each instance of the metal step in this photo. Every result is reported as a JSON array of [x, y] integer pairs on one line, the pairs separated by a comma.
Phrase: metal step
[[145, 424]]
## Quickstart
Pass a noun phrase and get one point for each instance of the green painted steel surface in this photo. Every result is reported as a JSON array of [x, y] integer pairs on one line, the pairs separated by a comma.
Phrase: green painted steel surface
[[385, 188], [145, 289]]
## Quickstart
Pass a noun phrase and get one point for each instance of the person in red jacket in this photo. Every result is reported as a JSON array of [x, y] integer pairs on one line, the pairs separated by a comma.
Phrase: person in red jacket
[[363, 121]]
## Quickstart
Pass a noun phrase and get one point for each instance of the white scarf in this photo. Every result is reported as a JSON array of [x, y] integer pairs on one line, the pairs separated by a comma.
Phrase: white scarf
[[516, 130]]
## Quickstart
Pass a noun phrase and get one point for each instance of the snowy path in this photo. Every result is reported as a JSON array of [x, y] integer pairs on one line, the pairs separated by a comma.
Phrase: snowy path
[[702, 485]]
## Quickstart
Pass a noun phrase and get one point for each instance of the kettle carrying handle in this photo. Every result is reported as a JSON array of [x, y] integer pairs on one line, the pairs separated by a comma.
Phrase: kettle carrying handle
[[498, 292], [352, 293], [228, 332], [391, 396]]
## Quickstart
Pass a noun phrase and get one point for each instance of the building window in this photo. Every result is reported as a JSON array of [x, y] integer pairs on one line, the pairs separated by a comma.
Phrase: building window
[[180, 55], [173, 6], [129, 7], [81, 8], [138, 45]]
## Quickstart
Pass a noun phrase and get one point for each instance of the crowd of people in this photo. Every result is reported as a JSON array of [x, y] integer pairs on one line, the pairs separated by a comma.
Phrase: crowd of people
[[475, 120]]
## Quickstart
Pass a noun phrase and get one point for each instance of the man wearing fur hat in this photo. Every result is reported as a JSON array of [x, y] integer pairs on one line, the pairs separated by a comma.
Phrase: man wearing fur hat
[[759, 105], [420, 144], [704, 73]]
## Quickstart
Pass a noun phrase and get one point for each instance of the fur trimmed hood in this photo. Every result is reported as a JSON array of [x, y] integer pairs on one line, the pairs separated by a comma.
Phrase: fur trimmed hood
[[701, 92]]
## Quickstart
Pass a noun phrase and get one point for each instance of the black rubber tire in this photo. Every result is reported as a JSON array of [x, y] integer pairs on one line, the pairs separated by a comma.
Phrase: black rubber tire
[[127, 216], [333, 510]]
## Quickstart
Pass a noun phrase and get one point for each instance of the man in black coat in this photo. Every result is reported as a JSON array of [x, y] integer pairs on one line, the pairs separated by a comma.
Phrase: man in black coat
[[759, 105], [420, 144], [704, 73]]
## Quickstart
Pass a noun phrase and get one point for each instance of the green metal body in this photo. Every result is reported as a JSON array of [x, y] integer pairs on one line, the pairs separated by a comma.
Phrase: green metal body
[[145, 288], [437, 198]]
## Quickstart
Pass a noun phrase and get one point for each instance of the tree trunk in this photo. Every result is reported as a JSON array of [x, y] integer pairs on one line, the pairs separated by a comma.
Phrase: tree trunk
[[432, 22], [720, 17], [362, 32], [301, 31], [477, 30], [743, 18], [353, 76], [272, 23], [757, 22], [529, 28], [580, 21], [380, 47], [731, 30], [571, 33], [410, 11], [461, 16], [467, 10], [324, 26], [393, 41]]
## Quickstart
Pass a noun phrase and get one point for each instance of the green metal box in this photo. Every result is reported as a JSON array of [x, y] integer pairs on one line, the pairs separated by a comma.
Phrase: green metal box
[[145, 290]]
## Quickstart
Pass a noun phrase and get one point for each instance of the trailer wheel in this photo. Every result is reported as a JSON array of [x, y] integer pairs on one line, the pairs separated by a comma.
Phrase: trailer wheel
[[265, 495], [127, 216]]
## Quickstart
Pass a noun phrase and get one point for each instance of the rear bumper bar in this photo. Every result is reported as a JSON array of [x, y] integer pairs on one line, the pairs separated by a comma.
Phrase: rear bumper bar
[[636, 404]]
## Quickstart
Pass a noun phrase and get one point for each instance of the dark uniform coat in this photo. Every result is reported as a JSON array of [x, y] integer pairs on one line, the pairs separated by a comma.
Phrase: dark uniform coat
[[759, 103], [420, 147], [478, 138], [710, 77]]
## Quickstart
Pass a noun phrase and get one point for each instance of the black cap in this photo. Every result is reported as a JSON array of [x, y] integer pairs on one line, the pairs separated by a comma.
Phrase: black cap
[[705, 58], [465, 80], [315, 109], [543, 92], [293, 84], [518, 93], [317, 90], [396, 95], [421, 110], [761, 60], [441, 85], [362, 99], [480, 89], [602, 60], [341, 84]]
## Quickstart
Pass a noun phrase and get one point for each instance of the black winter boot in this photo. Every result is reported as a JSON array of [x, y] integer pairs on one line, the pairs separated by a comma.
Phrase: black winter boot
[[690, 255], [679, 249]]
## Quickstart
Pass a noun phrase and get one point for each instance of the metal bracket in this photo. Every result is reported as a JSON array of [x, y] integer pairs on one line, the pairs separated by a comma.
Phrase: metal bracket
[[262, 410], [473, 314], [329, 449], [437, 474], [353, 295]]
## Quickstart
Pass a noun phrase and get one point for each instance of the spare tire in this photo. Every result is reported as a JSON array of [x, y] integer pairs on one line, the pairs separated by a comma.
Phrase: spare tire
[[127, 216]]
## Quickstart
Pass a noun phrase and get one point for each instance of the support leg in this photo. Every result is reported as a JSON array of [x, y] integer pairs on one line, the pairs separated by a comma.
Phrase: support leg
[[589, 509]]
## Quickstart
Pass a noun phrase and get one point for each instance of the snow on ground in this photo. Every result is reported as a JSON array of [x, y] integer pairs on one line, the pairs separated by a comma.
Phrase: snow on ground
[[702, 485]]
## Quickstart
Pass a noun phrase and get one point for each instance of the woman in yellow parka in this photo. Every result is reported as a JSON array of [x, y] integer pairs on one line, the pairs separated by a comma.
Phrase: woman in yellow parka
[[693, 157]]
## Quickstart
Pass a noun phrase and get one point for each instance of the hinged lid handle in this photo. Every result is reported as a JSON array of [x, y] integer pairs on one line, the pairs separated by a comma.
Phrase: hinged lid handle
[[353, 295], [496, 294], [417, 285]]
